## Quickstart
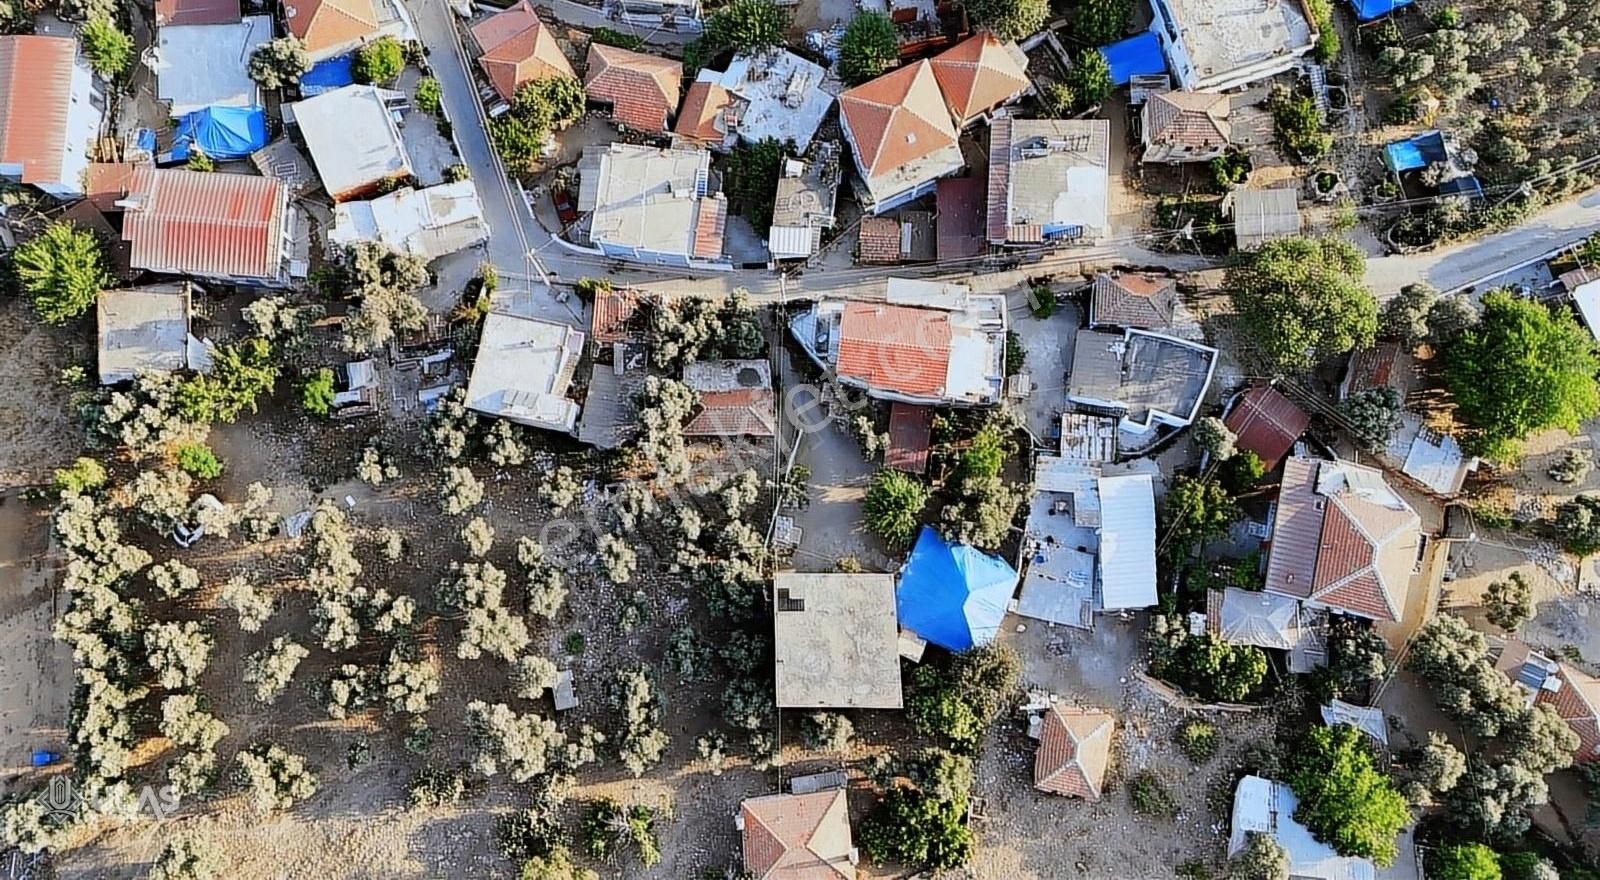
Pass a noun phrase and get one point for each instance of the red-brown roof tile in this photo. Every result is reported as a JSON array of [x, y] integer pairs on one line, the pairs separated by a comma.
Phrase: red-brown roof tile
[[1197, 120], [910, 435], [704, 118], [878, 240], [328, 24], [897, 118], [1074, 751], [518, 49], [35, 95], [1267, 423], [107, 182], [798, 836], [205, 223], [1134, 299], [977, 75], [1578, 703], [641, 89], [613, 311], [745, 412], [895, 348], [709, 227], [959, 226], [171, 13]]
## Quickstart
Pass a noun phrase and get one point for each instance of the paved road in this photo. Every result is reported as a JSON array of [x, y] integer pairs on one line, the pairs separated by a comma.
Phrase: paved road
[[1477, 261]]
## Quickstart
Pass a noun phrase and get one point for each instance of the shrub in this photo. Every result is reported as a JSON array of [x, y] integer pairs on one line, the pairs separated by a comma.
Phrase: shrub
[[1464, 861], [1150, 796], [1577, 524], [188, 858], [426, 95], [433, 788], [276, 778], [1263, 858], [316, 395], [893, 507], [197, 460], [1509, 603], [1573, 467], [84, 475], [607, 37], [1198, 739], [379, 61]]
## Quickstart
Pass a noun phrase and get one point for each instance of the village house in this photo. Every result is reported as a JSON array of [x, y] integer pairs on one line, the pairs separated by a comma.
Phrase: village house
[[798, 836], [1429, 458], [736, 399], [1261, 806], [524, 370], [1074, 751], [147, 328], [775, 94], [1151, 383], [1133, 300], [428, 223], [353, 140], [516, 48], [835, 641], [979, 75], [1577, 701], [1048, 181], [235, 228], [640, 90], [1217, 45], [927, 344], [207, 65], [651, 205], [1179, 127], [900, 133], [335, 27], [805, 203], [51, 111]]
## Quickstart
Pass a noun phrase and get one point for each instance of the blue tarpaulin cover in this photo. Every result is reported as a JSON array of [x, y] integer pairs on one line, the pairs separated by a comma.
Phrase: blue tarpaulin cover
[[1465, 185], [1416, 152], [1138, 55], [325, 76], [953, 595], [1371, 10], [223, 133]]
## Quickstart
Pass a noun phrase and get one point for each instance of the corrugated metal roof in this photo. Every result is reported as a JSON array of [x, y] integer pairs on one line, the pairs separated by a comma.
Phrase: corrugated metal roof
[[960, 222], [35, 95], [1127, 541], [709, 226], [1266, 423], [910, 432], [206, 223]]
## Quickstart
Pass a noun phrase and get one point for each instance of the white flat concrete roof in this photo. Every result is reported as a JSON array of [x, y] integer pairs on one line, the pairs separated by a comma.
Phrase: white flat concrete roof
[[836, 641], [523, 370], [643, 197], [429, 223], [783, 93], [352, 138], [1226, 35], [207, 65], [143, 328]]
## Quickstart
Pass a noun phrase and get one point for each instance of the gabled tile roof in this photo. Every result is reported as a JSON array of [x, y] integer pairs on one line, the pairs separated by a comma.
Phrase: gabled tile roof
[[1267, 423], [641, 89], [895, 348], [1074, 751], [1135, 299], [613, 310], [518, 49], [746, 412], [1197, 120], [185, 12], [1578, 703], [205, 223], [703, 119], [798, 836], [35, 95], [327, 24], [897, 118], [709, 227], [977, 75], [878, 240]]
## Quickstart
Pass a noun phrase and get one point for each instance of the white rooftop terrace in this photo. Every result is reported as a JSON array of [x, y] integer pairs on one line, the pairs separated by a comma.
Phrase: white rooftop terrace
[[207, 65]]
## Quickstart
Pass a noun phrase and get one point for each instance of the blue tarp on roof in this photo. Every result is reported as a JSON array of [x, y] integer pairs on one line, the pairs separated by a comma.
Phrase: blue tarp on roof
[[325, 76], [1371, 10], [1416, 152], [1139, 55], [1465, 185], [223, 133], [953, 595]]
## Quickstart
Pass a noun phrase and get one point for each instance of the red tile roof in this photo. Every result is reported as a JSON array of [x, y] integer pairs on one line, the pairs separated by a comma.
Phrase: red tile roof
[[959, 225], [1578, 703], [895, 348], [897, 118], [205, 223], [329, 24], [745, 412], [798, 836], [910, 434], [1188, 119], [709, 226], [878, 240], [1267, 423], [184, 12], [641, 89], [977, 75], [1074, 751], [613, 310], [703, 119], [518, 49], [35, 95], [1134, 299]]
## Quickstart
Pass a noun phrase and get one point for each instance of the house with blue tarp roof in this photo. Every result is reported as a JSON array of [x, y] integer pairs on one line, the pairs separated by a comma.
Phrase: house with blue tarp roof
[[951, 594], [1408, 157], [1372, 10], [1138, 55], [222, 133]]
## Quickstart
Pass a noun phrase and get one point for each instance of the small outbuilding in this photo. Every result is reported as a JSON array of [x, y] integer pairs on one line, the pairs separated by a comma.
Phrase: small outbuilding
[[147, 328], [798, 836], [954, 595], [1074, 751], [1262, 215]]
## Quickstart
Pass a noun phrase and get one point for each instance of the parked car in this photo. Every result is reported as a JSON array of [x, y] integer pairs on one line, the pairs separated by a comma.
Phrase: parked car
[[565, 209]]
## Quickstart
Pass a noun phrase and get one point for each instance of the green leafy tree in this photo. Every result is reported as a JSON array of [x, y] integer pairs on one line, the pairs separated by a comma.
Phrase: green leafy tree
[[1578, 525], [1345, 801], [62, 270], [316, 395], [1405, 317], [915, 828], [1010, 19], [1214, 437], [279, 63], [1243, 472], [239, 375], [1509, 603], [1090, 78], [1196, 511], [105, 45], [84, 475], [958, 701], [1464, 861], [868, 49], [1100, 22], [746, 26], [538, 109], [1372, 416], [751, 179], [893, 506], [1521, 369], [1263, 858], [197, 460], [1298, 124], [1527, 866], [379, 61], [1301, 301]]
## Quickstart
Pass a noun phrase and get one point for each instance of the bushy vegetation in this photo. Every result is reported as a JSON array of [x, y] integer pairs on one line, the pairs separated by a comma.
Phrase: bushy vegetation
[[1301, 301], [538, 110], [958, 700], [1345, 800]]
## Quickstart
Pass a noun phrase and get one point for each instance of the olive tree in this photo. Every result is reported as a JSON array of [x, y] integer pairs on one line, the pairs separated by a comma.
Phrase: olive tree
[[1214, 438], [533, 675], [459, 491], [275, 777], [524, 746], [173, 579], [409, 683], [385, 282], [478, 535], [1509, 603], [278, 63], [178, 652], [271, 668], [188, 857], [641, 741], [252, 606]]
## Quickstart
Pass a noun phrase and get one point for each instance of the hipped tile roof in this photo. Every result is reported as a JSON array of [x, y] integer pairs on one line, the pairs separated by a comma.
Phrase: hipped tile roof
[[171, 13], [1074, 751], [519, 49], [613, 310], [326, 24], [1578, 703], [703, 117], [895, 348], [744, 412], [1188, 119], [35, 95], [1135, 299], [897, 118], [205, 223], [977, 75], [641, 89], [798, 836]]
